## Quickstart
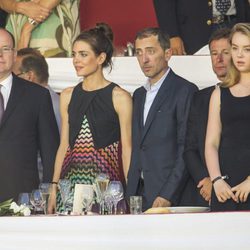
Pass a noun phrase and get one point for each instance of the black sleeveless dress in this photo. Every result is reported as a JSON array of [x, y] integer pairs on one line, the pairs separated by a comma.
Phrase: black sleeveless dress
[[234, 151], [94, 137]]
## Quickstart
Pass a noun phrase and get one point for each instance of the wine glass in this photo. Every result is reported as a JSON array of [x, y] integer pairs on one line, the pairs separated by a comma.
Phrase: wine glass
[[66, 194], [24, 199], [38, 202], [115, 189], [45, 189], [87, 197], [108, 199], [102, 181]]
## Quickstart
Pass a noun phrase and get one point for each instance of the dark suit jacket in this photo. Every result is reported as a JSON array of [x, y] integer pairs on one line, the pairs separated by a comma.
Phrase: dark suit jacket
[[194, 155], [158, 146], [28, 125], [188, 20]]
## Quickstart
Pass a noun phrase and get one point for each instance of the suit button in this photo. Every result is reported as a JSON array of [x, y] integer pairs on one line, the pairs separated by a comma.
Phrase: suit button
[[209, 22], [209, 3]]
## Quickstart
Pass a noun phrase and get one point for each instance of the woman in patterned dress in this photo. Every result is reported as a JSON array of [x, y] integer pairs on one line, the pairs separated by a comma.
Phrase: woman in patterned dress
[[96, 118]]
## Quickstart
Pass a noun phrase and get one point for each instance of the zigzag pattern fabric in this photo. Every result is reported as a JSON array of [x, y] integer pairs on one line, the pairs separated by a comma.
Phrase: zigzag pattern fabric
[[83, 162]]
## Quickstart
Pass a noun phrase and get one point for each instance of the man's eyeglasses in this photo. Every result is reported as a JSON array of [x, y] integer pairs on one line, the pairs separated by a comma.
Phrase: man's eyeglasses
[[6, 50]]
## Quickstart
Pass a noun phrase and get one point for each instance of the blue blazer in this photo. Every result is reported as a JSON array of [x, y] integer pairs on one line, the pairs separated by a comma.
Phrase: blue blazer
[[157, 146]]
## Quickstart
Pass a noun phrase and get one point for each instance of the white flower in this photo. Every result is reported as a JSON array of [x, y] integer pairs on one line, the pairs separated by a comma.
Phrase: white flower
[[26, 211], [14, 207], [21, 210]]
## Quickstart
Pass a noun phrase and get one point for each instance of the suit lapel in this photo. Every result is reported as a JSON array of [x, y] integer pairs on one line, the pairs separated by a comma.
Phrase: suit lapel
[[141, 109], [161, 96], [16, 93]]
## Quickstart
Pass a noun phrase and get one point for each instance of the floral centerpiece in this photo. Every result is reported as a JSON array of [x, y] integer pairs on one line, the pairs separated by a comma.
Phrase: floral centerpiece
[[9, 207]]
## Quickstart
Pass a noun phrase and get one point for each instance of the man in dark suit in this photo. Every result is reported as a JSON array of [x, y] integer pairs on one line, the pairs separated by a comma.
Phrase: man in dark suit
[[160, 110], [191, 23], [197, 191], [28, 124]]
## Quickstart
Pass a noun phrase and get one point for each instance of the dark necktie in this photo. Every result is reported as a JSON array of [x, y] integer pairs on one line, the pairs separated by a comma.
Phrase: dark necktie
[[1, 105], [223, 6]]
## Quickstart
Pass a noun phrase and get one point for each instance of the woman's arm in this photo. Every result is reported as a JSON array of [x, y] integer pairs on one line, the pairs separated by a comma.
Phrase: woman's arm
[[28, 27], [222, 189], [31, 9], [64, 143], [49, 4], [123, 105]]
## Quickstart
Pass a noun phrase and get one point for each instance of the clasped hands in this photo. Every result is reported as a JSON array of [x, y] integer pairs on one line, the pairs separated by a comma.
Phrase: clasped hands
[[36, 12], [238, 193]]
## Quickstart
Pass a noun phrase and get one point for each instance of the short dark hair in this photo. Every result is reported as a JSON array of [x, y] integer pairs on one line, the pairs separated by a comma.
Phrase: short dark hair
[[99, 43], [37, 64], [162, 37], [223, 33], [11, 36], [28, 51], [33, 60]]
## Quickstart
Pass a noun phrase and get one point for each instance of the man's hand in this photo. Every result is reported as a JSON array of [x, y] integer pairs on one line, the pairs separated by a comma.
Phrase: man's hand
[[177, 46], [161, 202], [205, 186]]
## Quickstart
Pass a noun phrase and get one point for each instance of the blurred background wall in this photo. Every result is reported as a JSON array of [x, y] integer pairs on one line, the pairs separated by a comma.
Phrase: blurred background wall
[[124, 17]]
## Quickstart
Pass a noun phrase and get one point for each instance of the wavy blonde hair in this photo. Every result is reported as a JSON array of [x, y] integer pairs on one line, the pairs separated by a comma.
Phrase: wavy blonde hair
[[233, 74]]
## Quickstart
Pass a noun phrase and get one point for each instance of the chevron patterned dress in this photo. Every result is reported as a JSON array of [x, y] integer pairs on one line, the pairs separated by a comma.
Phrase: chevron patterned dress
[[84, 161]]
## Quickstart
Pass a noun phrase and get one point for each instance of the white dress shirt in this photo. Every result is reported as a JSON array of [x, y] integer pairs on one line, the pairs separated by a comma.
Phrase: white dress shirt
[[152, 90], [6, 88]]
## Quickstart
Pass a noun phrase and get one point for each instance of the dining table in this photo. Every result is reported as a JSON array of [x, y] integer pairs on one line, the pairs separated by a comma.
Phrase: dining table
[[194, 231]]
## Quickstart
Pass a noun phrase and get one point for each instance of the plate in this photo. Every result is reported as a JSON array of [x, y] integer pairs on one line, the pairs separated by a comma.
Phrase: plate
[[167, 210], [189, 209]]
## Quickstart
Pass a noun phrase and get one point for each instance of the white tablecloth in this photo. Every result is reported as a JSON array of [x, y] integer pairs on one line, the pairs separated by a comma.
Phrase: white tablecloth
[[139, 232]]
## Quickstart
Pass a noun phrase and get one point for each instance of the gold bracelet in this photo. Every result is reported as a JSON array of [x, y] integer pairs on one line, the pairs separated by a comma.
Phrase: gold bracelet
[[32, 21]]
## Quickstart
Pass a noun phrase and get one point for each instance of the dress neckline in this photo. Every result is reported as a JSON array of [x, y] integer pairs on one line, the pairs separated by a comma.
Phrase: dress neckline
[[229, 90], [96, 90]]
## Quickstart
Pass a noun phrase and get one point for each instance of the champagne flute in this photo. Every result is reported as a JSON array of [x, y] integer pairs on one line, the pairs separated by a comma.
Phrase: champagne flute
[[45, 189], [102, 181], [65, 191], [115, 189]]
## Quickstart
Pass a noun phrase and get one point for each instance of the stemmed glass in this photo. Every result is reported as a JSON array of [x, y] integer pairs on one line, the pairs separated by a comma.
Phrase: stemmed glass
[[24, 199], [102, 181], [38, 202], [45, 189], [66, 194], [87, 197], [115, 189]]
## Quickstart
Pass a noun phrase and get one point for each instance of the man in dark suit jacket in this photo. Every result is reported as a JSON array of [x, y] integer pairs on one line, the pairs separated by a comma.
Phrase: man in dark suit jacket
[[197, 191], [191, 22], [160, 112], [27, 125]]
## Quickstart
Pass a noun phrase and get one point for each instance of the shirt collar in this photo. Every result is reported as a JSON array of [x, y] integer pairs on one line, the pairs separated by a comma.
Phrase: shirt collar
[[148, 86], [7, 82]]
